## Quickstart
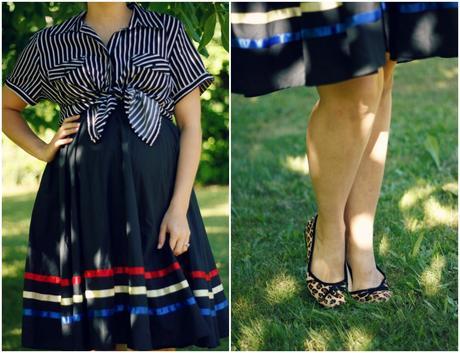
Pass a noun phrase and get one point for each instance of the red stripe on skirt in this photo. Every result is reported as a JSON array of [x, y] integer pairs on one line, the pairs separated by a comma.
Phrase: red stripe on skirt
[[103, 273], [116, 271], [202, 274]]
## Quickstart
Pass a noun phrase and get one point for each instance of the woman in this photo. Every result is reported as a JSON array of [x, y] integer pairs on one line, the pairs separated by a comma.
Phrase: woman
[[118, 254], [348, 51]]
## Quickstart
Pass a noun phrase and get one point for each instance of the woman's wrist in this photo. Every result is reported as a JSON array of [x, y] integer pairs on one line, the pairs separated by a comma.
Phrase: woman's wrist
[[46, 151], [39, 150], [42, 151], [178, 206]]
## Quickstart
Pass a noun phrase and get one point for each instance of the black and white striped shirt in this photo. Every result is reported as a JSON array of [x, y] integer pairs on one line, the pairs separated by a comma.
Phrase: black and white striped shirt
[[150, 65]]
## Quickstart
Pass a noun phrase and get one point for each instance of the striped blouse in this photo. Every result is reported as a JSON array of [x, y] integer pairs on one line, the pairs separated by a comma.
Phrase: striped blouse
[[149, 65]]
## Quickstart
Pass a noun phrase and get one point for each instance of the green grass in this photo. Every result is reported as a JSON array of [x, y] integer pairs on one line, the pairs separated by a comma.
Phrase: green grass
[[415, 230], [17, 208]]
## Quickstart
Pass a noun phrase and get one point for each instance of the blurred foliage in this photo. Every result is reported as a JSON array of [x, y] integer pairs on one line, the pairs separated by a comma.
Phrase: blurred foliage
[[207, 25]]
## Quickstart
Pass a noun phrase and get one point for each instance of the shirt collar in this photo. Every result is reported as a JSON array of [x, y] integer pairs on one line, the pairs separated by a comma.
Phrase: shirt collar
[[139, 18]]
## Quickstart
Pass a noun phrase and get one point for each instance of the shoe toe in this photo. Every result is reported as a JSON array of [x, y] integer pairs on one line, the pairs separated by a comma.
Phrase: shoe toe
[[332, 301], [375, 297], [331, 298], [382, 296]]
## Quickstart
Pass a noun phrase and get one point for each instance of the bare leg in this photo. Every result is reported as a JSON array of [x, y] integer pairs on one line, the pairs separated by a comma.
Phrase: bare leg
[[337, 135], [362, 201]]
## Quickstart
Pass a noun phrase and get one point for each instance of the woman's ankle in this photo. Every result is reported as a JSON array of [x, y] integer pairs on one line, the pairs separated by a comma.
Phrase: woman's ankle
[[329, 252], [331, 228], [364, 271]]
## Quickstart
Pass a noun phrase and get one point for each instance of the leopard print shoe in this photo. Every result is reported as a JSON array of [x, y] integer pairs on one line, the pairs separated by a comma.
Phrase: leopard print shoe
[[378, 294], [329, 295]]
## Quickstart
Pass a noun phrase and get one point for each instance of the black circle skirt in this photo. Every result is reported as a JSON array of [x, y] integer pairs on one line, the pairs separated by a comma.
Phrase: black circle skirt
[[277, 45], [94, 277]]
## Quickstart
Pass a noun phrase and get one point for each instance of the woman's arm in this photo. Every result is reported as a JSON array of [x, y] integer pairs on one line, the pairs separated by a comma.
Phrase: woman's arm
[[188, 116], [17, 129]]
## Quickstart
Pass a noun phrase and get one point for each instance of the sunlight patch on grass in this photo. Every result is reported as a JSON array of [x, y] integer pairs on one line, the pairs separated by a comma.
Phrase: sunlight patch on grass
[[450, 72], [437, 214], [13, 334], [297, 164], [431, 277], [443, 84], [241, 305], [220, 265], [384, 245], [358, 339], [450, 187], [19, 190], [218, 210], [414, 195], [281, 288], [252, 336], [12, 269], [412, 224], [18, 228], [434, 212], [216, 230], [317, 340]]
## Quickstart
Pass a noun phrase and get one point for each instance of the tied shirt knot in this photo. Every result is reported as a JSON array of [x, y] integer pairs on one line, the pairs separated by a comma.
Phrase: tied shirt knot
[[143, 112], [98, 113]]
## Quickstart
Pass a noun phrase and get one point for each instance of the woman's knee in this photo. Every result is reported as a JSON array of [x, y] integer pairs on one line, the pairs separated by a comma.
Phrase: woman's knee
[[353, 98]]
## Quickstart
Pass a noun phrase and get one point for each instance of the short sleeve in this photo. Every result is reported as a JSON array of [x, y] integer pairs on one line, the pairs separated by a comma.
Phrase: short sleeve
[[187, 68], [26, 77]]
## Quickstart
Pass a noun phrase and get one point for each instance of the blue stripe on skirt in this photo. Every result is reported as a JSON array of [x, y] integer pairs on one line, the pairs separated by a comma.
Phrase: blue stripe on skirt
[[425, 6], [315, 32], [135, 310]]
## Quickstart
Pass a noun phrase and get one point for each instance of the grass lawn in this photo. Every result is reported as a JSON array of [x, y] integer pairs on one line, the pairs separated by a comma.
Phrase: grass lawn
[[415, 231], [17, 208]]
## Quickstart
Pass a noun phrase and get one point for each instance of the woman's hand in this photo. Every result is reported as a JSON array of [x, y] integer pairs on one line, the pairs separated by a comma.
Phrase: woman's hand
[[16, 128], [187, 112], [68, 127], [176, 225]]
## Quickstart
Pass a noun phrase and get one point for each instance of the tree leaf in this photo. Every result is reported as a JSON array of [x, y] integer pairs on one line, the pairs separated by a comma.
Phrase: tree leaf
[[208, 33], [203, 51], [224, 24], [189, 27]]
